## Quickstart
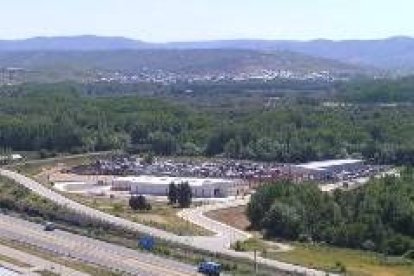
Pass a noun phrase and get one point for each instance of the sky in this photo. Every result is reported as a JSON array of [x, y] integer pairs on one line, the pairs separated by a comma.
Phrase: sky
[[192, 20]]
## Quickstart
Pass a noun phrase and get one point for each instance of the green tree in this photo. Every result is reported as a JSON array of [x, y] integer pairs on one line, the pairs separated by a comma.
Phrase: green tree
[[282, 220], [378, 216], [148, 158], [185, 195], [172, 193]]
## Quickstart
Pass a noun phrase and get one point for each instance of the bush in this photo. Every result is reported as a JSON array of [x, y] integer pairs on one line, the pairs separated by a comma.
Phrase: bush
[[139, 202], [398, 245], [341, 267], [239, 246]]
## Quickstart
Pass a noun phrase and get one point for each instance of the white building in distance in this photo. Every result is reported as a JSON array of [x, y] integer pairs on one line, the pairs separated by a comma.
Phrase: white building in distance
[[159, 186]]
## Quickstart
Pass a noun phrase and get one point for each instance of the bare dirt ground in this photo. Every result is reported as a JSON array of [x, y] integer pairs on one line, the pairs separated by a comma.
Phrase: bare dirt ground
[[234, 217], [56, 174]]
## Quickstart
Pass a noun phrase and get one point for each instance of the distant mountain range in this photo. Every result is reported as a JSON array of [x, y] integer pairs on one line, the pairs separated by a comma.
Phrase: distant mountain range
[[73, 43], [391, 54], [395, 53]]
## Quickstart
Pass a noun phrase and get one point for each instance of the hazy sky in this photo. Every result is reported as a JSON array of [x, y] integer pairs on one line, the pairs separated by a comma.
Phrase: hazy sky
[[185, 20]]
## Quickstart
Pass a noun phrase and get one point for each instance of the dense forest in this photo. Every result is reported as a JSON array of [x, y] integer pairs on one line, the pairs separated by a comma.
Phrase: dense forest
[[79, 118], [378, 216], [379, 91]]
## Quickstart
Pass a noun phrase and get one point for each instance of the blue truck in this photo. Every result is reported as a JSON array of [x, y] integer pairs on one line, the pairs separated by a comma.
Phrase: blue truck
[[209, 268]]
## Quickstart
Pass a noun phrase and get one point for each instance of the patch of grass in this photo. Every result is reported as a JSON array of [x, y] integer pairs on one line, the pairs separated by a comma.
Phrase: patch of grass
[[251, 245], [161, 216], [353, 262], [46, 273], [13, 261]]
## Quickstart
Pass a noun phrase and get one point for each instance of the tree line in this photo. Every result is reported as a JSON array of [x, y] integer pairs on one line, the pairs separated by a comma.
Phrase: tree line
[[378, 216], [398, 90], [180, 193], [62, 118]]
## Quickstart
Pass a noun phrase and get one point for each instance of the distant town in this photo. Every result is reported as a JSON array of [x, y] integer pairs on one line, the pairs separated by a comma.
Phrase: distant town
[[15, 76], [165, 77]]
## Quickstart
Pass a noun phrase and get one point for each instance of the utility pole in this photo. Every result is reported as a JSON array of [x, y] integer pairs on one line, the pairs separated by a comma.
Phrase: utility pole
[[255, 262]]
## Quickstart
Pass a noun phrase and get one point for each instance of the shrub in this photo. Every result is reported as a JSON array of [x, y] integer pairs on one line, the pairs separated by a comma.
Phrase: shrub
[[139, 202]]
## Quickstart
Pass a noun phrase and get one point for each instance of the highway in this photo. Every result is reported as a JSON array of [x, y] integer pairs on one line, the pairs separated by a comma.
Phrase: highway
[[33, 264], [220, 243], [110, 256]]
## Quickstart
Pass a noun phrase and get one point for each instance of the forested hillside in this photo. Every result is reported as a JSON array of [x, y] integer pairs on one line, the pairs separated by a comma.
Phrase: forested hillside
[[378, 216]]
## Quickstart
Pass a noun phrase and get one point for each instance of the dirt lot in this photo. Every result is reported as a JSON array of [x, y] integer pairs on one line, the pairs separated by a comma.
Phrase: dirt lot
[[232, 216], [56, 174]]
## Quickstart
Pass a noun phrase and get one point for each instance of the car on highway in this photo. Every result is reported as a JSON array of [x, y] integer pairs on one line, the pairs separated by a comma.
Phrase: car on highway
[[209, 268], [49, 226]]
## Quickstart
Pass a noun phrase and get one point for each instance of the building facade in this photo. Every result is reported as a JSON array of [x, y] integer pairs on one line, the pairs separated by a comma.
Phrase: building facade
[[200, 187], [327, 170]]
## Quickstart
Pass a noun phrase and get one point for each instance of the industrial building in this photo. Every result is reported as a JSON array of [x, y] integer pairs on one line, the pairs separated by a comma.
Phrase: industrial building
[[326, 170], [159, 186]]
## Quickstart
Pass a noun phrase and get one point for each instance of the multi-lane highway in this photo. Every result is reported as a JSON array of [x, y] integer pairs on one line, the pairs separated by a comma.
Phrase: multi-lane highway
[[29, 264], [110, 256], [225, 235]]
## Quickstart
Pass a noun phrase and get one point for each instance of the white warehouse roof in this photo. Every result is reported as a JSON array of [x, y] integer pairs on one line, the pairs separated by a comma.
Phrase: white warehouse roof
[[166, 180], [322, 165]]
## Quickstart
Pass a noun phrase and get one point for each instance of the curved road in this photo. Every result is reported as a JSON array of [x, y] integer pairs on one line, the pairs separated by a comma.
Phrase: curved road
[[197, 216], [225, 235], [224, 231]]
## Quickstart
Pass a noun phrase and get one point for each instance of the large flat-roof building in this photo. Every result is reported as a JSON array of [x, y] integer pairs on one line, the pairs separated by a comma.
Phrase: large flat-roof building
[[324, 170], [333, 165], [201, 187]]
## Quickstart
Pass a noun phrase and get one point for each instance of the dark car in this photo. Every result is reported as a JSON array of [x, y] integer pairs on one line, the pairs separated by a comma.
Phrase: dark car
[[209, 268], [49, 226]]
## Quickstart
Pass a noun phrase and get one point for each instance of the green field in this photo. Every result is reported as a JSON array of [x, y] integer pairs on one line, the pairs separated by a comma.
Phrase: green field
[[355, 262]]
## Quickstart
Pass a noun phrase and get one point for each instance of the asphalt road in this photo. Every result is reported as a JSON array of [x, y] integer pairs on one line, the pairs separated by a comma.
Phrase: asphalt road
[[107, 255], [229, 234], [34, 264], [225, 235]]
